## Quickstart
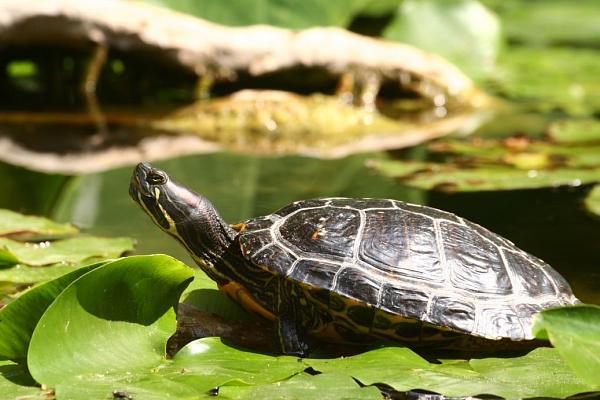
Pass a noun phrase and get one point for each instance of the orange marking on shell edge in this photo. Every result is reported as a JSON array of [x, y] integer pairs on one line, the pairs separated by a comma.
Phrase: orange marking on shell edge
[[315, 234], [238, 227], [242, 296]]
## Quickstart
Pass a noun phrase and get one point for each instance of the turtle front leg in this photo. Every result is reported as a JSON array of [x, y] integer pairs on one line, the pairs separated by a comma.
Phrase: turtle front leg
[[290, 333], [292, 340]]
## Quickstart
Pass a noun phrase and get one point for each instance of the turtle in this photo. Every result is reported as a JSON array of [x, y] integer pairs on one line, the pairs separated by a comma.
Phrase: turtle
[[348, 270]]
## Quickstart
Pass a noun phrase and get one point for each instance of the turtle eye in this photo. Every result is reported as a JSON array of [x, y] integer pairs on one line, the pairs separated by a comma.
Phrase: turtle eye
[[156, 178]]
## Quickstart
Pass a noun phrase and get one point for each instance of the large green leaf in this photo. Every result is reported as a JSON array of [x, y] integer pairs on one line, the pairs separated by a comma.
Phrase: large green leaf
[[28, 227], [463, 31], [19, 318], [115, 317], [209, 359], [284, 13], [506, 377], [575, 332], [199, 367], [70, 251]]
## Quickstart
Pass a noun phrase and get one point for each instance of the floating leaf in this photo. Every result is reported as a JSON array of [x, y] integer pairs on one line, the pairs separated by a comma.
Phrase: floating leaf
[[575, 131], [118, 315], [72, 250], [494, 177], [521, 153], [592, 201], [26, 274], [199, 367], [28, 227], [304, 386], [506, 377], [19, 318], [470, 32], [575, 332], [208, 358]]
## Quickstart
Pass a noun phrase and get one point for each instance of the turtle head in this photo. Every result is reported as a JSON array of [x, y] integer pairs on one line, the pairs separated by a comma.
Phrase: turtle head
[[188, 217]]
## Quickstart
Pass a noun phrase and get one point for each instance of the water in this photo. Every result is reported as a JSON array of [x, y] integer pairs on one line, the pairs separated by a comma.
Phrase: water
[[549, 223]]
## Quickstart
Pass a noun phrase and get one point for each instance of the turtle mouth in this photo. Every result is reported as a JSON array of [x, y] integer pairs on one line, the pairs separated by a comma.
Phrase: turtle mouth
[[134, 188], [138, 184]]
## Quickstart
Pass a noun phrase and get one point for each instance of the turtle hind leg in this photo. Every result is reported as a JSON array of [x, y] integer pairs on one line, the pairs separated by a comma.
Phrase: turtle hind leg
[[292, 340]]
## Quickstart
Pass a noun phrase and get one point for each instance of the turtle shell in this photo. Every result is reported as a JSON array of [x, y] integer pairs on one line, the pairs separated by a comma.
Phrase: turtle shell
[[413, 261]]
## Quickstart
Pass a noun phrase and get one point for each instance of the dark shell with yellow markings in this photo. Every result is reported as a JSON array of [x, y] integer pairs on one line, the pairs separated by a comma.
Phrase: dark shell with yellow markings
[[380, 258]]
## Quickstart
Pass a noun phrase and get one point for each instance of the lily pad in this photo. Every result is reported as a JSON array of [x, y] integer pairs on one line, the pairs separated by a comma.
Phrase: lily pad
[[198, 368], [28, 227], [19, 318], [506, 377], [451, 178], [22, 274], [88, 330], [592, 201], [470, 32], [304, 386], [575, 332], [551, 78], [491, 164], [575, 131], [70, 251], [522, 153]]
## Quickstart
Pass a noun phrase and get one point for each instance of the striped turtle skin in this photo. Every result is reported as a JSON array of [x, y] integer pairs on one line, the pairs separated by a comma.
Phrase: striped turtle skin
[[381, 267]]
